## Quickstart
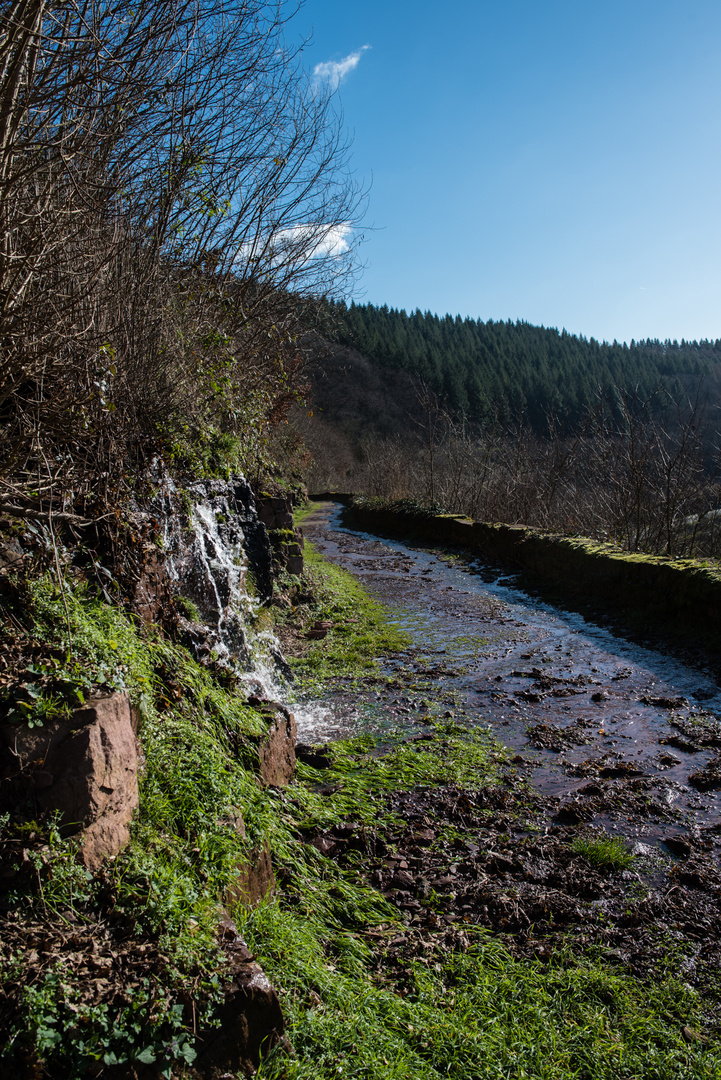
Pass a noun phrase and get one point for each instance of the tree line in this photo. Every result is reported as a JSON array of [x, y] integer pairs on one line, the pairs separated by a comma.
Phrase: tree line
[[511, 422], [512, 370]]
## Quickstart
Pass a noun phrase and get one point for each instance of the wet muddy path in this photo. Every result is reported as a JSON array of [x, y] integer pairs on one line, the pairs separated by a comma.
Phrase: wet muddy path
[[609, 733]]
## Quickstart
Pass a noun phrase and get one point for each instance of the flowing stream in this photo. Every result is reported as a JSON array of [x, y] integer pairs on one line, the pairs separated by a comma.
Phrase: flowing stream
[[618, 733]]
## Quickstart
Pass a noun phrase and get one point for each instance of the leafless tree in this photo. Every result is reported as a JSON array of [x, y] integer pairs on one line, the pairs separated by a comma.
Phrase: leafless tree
[[171, 188], [636, 475]]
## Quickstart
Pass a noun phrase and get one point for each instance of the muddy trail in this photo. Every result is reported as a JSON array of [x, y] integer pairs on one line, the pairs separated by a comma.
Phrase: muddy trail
[[609, 740]]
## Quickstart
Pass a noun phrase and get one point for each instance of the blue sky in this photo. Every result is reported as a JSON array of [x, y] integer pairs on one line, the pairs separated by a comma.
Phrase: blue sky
[[551, 161]]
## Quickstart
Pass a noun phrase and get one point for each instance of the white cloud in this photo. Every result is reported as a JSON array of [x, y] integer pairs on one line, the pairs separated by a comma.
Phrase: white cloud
[[334, 71], [298, 245], [307, 242]]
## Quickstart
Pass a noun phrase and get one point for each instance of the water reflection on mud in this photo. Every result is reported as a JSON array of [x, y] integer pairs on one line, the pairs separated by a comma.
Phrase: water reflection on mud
[[620, 735]]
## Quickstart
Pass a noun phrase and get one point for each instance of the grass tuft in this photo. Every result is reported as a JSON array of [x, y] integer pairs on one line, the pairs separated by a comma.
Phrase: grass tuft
[[603, 852]]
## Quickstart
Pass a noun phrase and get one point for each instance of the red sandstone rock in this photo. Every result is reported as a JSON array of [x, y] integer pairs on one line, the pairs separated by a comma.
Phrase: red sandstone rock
[[250, 1025], [255, 880], [275, 513], [294, 564], [152, 593], [277, 749], [96, 777], [86, 768], [250, 1019]]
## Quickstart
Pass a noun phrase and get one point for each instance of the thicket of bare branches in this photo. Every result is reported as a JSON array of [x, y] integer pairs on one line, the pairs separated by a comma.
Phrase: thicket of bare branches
[[644, 481], [171, 189]]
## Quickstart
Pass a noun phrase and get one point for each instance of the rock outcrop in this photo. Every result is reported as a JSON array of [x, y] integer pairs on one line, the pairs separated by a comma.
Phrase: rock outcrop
[[226, 540], [276, 749], [276, 513], [250, 1020], [85, 769], [220, 566], [200, 563], [255, 881]]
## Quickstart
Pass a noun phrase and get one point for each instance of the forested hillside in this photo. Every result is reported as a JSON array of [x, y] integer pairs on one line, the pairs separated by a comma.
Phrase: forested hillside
[[513, 369], [512, 422]]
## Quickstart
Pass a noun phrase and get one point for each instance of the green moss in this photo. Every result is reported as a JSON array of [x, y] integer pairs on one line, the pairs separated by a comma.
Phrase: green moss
[[204, 452]]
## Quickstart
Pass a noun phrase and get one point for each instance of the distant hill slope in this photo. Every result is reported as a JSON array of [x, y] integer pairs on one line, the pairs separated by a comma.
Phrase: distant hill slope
[[507, 370]]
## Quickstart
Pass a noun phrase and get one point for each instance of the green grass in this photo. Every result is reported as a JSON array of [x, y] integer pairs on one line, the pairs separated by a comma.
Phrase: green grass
[[479, 1014], [199, 742], [300, 513], [361, 631], [364, 773], [603, 852], [465, 1013]]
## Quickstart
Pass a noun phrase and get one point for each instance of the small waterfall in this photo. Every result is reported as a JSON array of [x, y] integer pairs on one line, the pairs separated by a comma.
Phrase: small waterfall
[[219, 556]]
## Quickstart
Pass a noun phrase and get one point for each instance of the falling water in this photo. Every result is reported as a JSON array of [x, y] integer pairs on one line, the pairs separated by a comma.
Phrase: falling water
[[218, 555]]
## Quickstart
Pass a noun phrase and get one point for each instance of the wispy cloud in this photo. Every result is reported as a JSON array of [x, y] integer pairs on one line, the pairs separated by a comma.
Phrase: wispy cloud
[[334, 71]]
